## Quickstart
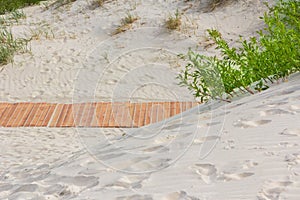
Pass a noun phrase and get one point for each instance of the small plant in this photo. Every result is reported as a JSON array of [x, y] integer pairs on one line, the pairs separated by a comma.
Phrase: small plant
[[9, 46], [174, 23], [98, 3], [12, 17], [60, 3], [126, 23], [12, 5], [273, 56]]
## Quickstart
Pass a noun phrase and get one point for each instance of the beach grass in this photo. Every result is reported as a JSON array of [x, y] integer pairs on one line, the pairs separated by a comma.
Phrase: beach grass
[[126, 23], [9, 45], [174, 22], [268, 58], [11, 5]]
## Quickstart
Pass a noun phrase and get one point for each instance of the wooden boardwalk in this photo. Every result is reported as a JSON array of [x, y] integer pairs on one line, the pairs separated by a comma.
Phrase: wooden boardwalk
[[90, 114]]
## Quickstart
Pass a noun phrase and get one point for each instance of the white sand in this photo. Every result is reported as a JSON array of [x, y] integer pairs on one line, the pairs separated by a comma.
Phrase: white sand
[[248, 149]]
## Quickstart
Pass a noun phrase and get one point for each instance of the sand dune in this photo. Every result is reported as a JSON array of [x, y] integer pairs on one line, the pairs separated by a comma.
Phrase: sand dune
[[248, 149]]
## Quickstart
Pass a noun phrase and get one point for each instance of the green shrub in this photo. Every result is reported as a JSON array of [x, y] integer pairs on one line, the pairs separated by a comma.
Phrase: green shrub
[[11, 5], [273, 55]]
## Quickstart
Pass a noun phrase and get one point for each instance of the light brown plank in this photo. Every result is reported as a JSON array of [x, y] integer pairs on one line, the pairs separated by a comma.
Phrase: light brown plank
[[61, 119], [7, 114], [85, 114], [56, 115], [15, 115], [69, 119], [49, 114]]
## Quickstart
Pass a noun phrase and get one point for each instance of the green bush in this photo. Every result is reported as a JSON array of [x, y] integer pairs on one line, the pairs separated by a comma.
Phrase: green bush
[[11, 5], [273, 55]]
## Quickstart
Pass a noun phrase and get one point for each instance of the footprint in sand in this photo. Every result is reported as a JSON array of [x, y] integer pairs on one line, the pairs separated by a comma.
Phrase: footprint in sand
[[275, 112], [272, 189], [233, 176], [241, 123], [201, 140], [207, 172], [294, 108], [248, 164], [182, 195], [128, 182]]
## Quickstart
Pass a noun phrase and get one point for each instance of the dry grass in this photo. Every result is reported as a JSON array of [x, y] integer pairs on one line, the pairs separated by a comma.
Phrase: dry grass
[[126, 23], [213, 4], [174, 22]]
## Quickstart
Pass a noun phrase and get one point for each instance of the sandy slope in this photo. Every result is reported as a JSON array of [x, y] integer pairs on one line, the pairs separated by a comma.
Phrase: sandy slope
[[248, 149]]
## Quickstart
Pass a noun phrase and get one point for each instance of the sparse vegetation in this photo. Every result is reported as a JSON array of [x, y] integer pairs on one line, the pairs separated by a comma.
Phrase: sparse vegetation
[[59, 3], [12, 17], [126, 23], [97, 3], [9, 46], [174, 22], [213, 4], [12, 5], [271, 57]]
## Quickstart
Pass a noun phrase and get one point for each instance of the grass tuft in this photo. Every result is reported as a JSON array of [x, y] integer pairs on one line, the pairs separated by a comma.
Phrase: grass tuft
[[126, 23], [9, 46], [174, 22], [12, 5]]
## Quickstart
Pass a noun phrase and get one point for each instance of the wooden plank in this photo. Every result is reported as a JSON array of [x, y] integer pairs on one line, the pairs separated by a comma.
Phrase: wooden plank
[[56, 115], [26, 115], [189, 105], [126, 119], [117, 114], [40, 112], [69, 119], [107, 115], [160, 112], [154, 112], [97, 110], [85, 114], [23, 108], [136, 115], [167, 110], [78, 112], [172, 108], [131, 112], [15, 115], [142, 114], [178, 108], [3, 107], [148, 113], [7, 114], [32, 114], [100, 113], [62, 116], [90, 115], [50, 113]]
